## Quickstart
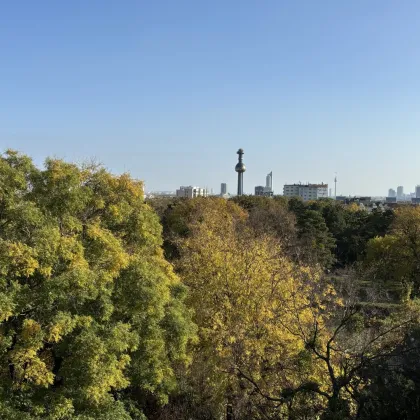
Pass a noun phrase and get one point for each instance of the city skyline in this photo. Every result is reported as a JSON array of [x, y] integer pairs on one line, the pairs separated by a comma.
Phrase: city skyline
[[160, 89]]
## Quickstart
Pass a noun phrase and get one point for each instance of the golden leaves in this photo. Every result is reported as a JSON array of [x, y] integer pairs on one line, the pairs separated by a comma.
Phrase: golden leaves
[[84, 284], [251, 303], [28, 365], [108, 250], [17, 259], [63, 324]]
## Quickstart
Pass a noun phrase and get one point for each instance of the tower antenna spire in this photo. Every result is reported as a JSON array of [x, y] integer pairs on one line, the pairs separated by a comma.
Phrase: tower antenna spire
[[335, 185]]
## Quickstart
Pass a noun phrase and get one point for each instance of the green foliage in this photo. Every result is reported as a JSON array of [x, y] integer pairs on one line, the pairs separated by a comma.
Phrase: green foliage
[[393, 390], [89, 308], [302, 230], [317, 243], [324, 232], [96, 324], [352, 228], [393, 261]]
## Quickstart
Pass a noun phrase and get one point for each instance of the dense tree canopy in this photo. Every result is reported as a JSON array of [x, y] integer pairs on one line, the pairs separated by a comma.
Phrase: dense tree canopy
[[393, 261], [270, 308], [249, 299], [91, 315], [276, 341]]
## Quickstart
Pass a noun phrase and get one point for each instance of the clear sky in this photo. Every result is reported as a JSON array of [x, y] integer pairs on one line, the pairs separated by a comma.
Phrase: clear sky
[[169, 90]]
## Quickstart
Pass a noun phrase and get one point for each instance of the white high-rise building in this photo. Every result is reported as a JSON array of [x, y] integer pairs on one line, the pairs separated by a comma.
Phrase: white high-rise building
[[417, 191], [400, 192], [269, 181], [191, 192], [268, 189], [306, 191]]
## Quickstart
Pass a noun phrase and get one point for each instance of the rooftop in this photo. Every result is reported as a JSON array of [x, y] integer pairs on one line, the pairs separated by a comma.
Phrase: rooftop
[[322, 185]]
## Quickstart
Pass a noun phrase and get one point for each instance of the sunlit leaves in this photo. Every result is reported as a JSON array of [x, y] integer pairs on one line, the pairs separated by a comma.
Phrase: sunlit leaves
[[88, 305], [251, 302]]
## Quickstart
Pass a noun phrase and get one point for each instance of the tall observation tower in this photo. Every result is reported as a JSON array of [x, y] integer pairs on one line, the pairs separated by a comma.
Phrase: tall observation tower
[[240, 168]]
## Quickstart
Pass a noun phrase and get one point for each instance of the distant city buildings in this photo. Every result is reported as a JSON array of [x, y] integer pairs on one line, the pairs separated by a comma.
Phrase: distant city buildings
[[266, 191], [369, 204], [399, 196], [259, 190], [161, 194], [341, 198], [363, 201], [191, 192], [306, 191]]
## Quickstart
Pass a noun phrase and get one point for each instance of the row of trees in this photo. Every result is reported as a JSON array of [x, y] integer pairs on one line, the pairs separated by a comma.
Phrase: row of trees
[[116, 308], [323, 232]]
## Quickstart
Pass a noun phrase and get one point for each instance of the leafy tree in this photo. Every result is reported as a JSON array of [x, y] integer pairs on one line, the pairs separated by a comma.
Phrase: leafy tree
[[392, 390], [334, 214], [360, 227], [352, 228], [357, 338], [299, 226], [248, 298], [270, 216], [394, 260], [353, 343], [317, 243], [92, 318]]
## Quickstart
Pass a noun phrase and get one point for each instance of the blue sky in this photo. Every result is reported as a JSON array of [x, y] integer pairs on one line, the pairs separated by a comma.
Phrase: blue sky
[[169, 90]]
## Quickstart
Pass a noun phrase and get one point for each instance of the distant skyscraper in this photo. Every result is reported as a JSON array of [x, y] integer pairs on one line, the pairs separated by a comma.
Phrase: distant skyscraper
[[400, 192], [240, 168], [223, 188], [392, 193], [418, 191], [266, 191], [269, 181]]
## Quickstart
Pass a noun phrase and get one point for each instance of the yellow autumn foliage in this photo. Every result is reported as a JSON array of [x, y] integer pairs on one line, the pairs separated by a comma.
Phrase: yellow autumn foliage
[[28, 366], [88, 304], [252, 304], [17, 259]]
